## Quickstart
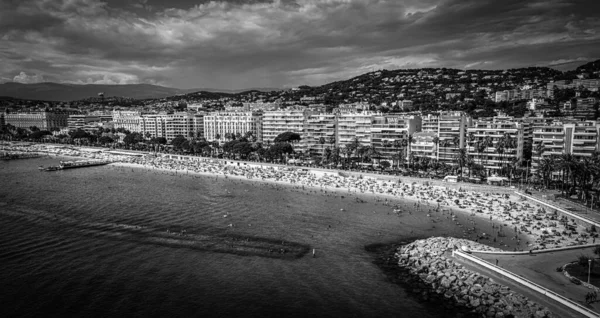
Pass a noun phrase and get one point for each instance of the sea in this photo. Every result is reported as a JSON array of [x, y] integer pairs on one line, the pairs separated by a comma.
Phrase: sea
[[115, 241]]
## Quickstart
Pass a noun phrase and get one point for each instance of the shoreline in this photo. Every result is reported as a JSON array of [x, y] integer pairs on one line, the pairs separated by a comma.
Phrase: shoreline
[[512, 217]]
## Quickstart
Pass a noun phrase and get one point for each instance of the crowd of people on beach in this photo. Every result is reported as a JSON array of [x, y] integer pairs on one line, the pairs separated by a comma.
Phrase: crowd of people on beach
[[510, 214]]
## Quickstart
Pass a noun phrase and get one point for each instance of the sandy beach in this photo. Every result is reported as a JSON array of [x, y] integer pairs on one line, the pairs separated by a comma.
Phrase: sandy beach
[[516, 224]]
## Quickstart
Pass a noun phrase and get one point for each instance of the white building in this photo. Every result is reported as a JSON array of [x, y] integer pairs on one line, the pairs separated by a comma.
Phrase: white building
[[275, 123], [354, 125], [492, 157], [128, 120], [319, 126], [217, 125], [168, 126]]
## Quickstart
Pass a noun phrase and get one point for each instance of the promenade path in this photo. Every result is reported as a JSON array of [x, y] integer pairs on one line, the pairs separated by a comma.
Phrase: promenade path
[[541, 269]]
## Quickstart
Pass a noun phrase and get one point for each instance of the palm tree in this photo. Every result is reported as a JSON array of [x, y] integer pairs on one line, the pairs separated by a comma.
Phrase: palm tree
[[547, 166], [461, 159], [500, 150], [354, 146], [567, 164], [322, 141], [436, 141], [410, 140], [405, 148], [327, 154], [398, 145], [487, 142]]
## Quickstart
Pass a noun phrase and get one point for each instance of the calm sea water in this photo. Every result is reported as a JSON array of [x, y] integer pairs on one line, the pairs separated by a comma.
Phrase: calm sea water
[[67, 247]]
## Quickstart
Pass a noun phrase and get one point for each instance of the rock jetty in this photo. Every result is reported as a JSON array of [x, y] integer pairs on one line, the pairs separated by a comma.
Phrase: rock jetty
[[429, 269]]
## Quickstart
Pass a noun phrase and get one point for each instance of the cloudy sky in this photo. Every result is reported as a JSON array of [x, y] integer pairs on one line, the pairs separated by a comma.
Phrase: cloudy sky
[[243, 44]]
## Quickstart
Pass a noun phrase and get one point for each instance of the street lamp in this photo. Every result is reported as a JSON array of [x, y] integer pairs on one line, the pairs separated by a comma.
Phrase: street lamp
[[589, 269]]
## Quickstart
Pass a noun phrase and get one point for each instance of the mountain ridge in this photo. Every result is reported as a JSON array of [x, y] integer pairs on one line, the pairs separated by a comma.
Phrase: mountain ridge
[[51, 91]]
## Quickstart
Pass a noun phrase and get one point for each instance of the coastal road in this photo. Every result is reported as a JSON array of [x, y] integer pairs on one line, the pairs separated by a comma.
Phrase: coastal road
[[541, 269]]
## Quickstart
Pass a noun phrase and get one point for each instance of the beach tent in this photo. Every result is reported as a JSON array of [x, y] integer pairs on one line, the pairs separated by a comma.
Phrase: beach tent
[[496, 180]]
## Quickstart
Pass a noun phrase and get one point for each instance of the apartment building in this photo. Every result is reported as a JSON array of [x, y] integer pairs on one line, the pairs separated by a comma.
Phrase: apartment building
[[424, 145], [168, 126], [275, 123], [561, 137], [494, 158], [80, 121], [317, 126], [354, 125], [388, 132], [589, 84], [514, 94], [452, 126], [198, 124], [577, 138], [430, 123], [218, 124], [128, 120], [44, 120], [153, 126]]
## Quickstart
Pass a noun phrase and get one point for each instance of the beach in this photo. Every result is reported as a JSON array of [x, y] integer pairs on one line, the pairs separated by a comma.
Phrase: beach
[[514, 224]]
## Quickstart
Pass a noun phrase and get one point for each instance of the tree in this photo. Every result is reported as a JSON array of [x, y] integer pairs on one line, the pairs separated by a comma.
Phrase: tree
[[287, 136], [159, 140], [322, 141], [178, 141], [279, 149], [133, 138], [185, 145], [410, 140], [398, 157], [105, 140], [38, 134], [79, 133], [384, 164]]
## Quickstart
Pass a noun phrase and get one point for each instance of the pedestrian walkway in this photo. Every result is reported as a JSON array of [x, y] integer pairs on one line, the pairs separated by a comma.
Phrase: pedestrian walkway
[[541, 269]]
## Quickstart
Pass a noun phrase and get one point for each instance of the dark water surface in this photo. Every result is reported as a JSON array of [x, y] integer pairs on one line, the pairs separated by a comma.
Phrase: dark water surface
[[93, 242]]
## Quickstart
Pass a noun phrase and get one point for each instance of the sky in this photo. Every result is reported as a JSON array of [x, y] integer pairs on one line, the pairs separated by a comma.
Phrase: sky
[[239, 44]]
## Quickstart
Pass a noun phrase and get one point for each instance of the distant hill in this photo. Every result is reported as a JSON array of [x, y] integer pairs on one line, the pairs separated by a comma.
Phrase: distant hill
[[67, 92]]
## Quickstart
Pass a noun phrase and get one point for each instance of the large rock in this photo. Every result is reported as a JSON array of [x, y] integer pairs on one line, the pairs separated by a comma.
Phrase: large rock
[[458, 286]]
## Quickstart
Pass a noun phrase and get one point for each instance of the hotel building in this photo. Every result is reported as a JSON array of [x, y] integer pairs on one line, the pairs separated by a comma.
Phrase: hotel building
[[219, 124], [44, 120], [128, 120]]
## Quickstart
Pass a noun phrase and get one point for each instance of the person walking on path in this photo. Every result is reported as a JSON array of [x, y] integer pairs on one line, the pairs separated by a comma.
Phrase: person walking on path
[[496, 262]]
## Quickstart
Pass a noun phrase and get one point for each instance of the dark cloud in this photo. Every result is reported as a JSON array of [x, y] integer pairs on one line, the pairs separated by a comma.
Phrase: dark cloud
[[237, 44]]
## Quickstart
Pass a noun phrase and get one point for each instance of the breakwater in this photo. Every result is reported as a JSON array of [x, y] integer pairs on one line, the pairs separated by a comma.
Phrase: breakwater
[[426, 265]]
